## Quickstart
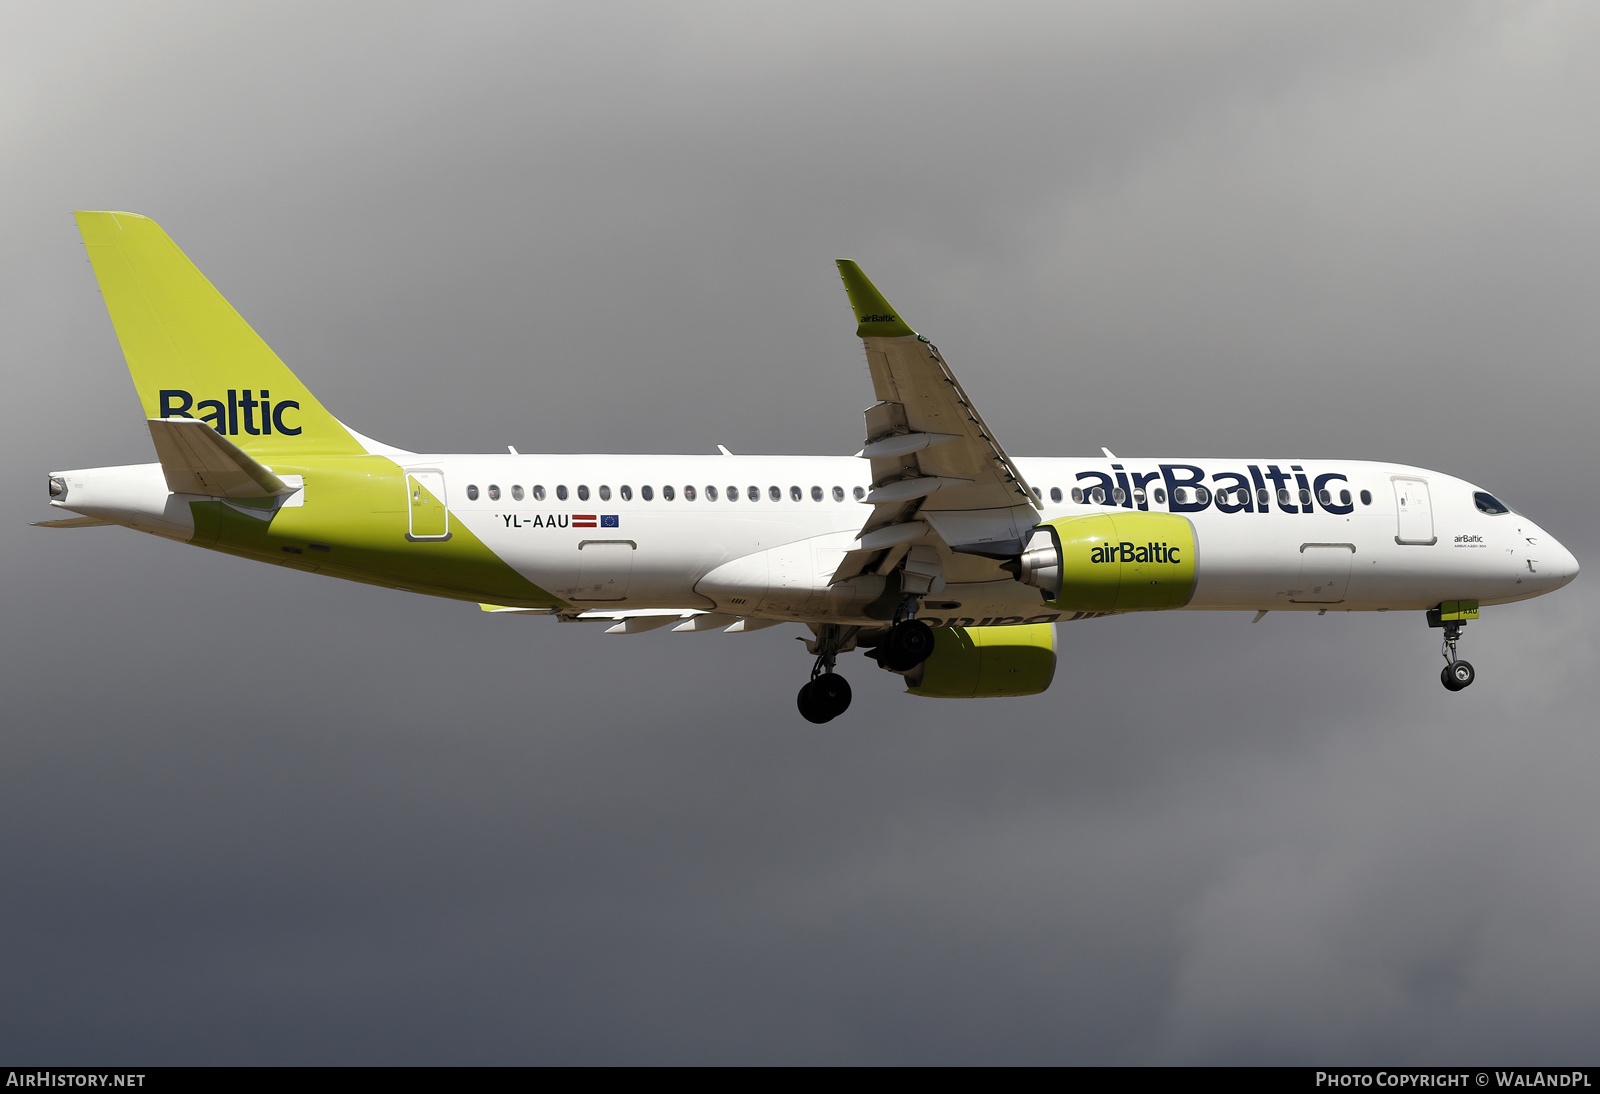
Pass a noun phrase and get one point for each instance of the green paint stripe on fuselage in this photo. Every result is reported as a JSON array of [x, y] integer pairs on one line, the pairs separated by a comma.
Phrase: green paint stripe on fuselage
[[353, 525]]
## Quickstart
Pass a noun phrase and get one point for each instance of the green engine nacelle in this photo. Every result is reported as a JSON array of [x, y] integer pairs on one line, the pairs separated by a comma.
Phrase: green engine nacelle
[[1111, 562], [987, 662]]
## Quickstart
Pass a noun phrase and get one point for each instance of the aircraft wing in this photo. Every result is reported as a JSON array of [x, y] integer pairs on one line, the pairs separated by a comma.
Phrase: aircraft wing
[[937, 471]]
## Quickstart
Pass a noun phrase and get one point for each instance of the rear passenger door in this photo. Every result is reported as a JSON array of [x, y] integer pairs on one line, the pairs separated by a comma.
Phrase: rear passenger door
[[430, 516]]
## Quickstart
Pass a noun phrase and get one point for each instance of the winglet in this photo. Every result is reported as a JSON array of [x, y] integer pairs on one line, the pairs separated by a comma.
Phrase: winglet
[[875, 318]]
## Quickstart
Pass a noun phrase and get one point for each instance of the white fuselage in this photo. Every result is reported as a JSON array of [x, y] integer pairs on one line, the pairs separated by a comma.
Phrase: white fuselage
[[762, 535], [712, 547]]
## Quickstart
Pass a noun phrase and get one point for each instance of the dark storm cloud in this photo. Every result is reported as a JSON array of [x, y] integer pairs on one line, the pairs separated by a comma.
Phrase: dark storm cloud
[[250, 816]]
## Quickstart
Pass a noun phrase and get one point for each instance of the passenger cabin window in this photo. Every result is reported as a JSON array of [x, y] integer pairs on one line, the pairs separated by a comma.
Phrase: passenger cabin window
[[626, 492], [753, 493], [1488, 503], [645, 493], [1263, 498], [538, 493], [1118, 495], [838, 493], [858, 493], [711, 493], [1325, 497], [605, 493], [1037, 493], [794, 493], [775, 493], [561, 492], [494, 492], [516, 493], [667, 493], [1055, 493], [1283, 496], [1344, 497], [688, 493], [1366, 497], [1161, 496], [816, 493], [1077, 494], [1098, 495], [583, 493], [472, 493], [733, 493], [1138, 495], [1181, 495], [1305, 499]]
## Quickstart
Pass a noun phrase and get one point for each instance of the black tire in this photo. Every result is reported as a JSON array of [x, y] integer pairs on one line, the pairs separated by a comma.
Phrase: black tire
[[831, 693], [1457, 675], [906, 646], [812, 706]]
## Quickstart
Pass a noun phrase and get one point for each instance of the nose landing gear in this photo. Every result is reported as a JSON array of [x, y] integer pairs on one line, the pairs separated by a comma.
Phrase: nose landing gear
[[1452, 617], [1457, 675]]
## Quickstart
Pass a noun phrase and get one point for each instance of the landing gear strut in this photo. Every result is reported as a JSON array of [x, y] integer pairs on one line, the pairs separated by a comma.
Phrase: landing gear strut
[[1457, 674], [827, 694]]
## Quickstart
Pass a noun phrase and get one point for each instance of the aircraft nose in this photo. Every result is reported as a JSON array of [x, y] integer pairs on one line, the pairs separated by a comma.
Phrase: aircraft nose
[[1563, 567]]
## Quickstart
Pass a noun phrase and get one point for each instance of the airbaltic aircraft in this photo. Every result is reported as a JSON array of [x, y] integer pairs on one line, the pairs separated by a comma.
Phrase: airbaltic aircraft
[[946, 560]]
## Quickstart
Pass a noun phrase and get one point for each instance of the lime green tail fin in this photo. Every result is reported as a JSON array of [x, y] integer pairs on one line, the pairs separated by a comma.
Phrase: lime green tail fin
[[192, 355]]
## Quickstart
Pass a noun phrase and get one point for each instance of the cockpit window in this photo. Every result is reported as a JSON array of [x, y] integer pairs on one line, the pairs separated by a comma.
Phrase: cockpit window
[[1488, 503]]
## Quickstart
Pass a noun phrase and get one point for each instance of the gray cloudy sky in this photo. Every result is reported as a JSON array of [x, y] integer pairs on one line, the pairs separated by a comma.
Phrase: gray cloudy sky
[[248, 815]]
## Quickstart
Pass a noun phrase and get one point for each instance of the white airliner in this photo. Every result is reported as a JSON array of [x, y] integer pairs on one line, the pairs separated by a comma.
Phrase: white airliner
[[944, 558]]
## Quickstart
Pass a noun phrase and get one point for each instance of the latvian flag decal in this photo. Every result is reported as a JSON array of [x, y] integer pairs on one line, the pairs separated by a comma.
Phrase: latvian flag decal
[[587, 520]]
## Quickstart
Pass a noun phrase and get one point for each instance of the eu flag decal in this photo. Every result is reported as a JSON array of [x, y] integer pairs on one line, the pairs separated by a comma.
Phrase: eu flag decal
[[608, 520]]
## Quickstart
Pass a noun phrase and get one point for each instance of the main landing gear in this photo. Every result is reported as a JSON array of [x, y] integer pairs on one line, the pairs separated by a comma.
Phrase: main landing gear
[[1457, 674], [906, 646], [826, 695]]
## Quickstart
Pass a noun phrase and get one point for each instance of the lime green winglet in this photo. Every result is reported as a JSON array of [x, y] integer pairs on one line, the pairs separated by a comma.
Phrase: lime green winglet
[[874, 317]]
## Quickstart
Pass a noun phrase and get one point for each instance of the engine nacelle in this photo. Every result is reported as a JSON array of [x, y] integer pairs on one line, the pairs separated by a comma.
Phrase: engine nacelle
[[987, 662], [1111, 562]]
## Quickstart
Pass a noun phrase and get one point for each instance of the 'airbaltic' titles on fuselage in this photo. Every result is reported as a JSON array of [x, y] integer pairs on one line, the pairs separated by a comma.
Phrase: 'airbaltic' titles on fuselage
[[1135, 552], [1245, 491], [226, 417]]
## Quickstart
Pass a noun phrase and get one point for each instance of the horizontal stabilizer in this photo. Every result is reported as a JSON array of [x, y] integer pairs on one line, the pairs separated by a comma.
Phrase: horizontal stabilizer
[[196, 459], [72, 522]]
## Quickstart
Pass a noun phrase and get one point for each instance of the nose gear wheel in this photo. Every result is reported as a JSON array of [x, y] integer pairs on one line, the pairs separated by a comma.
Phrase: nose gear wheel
[[1457, 674]]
